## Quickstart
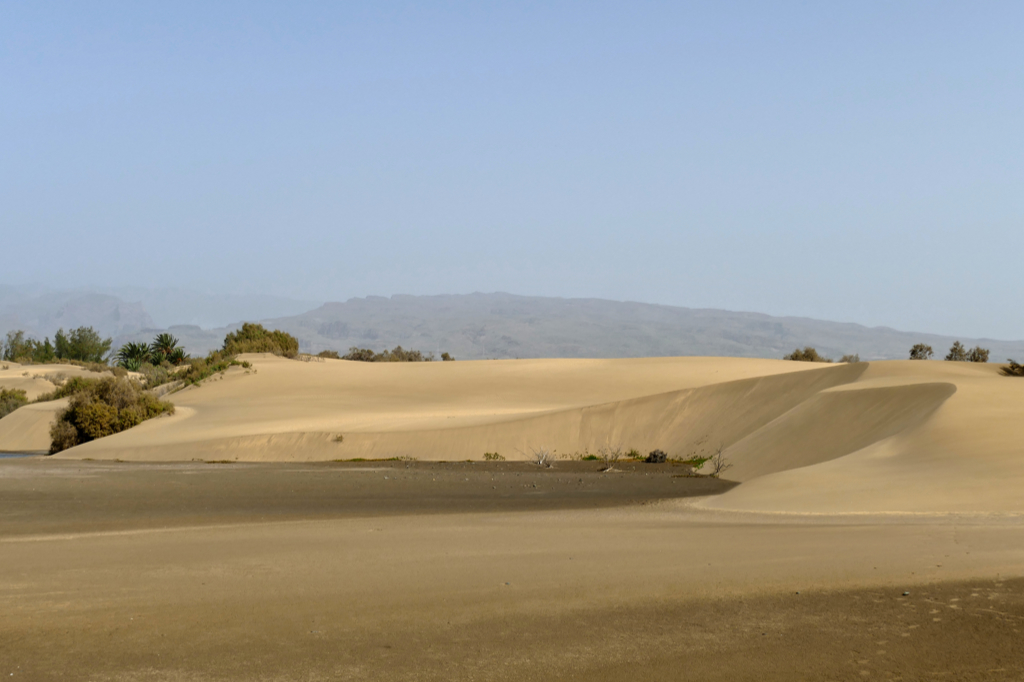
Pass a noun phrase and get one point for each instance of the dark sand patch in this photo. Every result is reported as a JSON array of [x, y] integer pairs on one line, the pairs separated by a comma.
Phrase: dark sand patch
[[40, 495]]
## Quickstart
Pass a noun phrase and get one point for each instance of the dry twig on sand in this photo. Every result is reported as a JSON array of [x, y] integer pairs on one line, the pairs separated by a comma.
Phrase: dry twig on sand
[[719, 463], [542, 457], [609, 456]]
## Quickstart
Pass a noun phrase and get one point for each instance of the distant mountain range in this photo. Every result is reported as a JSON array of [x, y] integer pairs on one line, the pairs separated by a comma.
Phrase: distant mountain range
[[476, 326]]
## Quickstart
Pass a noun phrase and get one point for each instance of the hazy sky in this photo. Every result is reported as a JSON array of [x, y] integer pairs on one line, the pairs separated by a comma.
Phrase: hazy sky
[[858, 161]]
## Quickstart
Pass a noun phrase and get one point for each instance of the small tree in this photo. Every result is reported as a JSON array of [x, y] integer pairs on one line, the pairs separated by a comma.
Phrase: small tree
[[977, 354], [83, 344], [921, 351], [957, 353], [855, 357]]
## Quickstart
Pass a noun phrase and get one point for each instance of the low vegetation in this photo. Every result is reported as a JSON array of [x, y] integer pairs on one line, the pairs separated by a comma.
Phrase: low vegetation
[[808, 354], [255, 338], [397, 354], [1013, 369], [855, 357], [921, 351], [83, 344], [102, 408], [11, 399], [958, 353], [493, 457]]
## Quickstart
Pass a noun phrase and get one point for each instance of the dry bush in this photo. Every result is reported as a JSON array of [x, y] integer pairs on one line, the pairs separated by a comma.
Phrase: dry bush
[[1013, 369], [957, 353], [719, 462], [854, 357], [921, 351], [542, 457], [657, 457], [329, 354], [808, 354], [493, 457], [105, 407], [610, 456], [978, 354]]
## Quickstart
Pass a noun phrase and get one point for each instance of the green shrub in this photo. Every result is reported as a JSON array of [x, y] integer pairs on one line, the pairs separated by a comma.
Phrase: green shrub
[[11, 399], [329, 354], [254, 338], [68, 388], [104, 407], [921, 351], [808, 354], [493, 457], [397, 354]]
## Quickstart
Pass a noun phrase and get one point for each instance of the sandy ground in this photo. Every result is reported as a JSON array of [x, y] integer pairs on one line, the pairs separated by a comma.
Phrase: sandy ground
[[480, 581], [850, 485]]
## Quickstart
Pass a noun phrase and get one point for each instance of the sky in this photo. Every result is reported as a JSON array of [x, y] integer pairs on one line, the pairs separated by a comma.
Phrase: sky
[[850, 161]]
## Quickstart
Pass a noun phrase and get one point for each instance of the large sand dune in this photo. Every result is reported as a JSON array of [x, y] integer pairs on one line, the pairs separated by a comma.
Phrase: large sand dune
[[883, 436]]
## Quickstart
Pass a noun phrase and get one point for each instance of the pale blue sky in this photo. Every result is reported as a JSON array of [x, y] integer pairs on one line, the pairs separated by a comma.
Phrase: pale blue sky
[[859, 161]]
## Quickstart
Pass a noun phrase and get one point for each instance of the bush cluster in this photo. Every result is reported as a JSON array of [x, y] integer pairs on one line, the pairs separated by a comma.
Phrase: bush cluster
[[104, 407], [83, 344], [808, 354], [255, 338], [11, 399], [397, 354]]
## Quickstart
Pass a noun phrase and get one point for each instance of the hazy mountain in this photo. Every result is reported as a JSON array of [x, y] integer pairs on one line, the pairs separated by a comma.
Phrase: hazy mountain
[[506, 326], [472, 326], [42, 313], [182, 306]]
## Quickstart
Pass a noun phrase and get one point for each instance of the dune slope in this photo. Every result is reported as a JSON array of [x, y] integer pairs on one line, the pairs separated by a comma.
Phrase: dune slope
[[884, 436]]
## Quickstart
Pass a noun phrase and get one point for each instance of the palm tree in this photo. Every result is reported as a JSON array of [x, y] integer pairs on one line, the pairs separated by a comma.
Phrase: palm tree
[[132, 355], [177, 356], [163, 345]]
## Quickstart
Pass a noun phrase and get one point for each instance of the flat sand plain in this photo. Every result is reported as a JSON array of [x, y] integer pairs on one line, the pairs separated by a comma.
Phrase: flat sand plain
[[856, 484]]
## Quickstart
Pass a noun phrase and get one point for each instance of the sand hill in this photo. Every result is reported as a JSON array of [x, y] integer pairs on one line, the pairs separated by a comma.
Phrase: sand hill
[[883, 436]]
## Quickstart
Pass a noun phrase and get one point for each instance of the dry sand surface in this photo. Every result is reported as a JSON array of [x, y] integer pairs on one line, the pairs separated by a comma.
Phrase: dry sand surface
[[481, 572], [856, 484]]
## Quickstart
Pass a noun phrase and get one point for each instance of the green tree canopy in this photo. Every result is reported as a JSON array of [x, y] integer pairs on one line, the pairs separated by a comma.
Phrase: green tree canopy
[[83, 344]]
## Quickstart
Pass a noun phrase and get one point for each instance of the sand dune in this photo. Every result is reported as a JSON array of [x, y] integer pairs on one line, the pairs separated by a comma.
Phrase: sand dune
[[883, 436], [33, 378]]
